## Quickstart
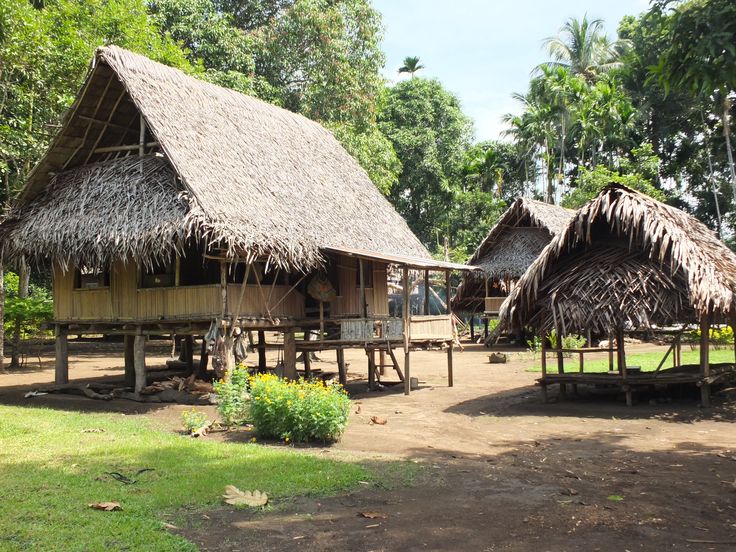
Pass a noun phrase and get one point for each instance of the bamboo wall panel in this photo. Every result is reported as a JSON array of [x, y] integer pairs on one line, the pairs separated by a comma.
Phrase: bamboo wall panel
[[63, 287], [123, 283], [430, 327], [179, 302], [379, 305], [348, 303], [91, 304], [254, 304]]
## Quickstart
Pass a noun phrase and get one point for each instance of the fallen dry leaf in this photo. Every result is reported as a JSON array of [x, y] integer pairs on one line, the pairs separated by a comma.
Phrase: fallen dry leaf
[[93, 430], [236, 497], [373, 515], [377, 420], [106, 506]]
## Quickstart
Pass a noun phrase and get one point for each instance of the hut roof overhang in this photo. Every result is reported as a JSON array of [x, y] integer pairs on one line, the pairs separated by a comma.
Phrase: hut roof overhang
[[625, 260], [258, 181]]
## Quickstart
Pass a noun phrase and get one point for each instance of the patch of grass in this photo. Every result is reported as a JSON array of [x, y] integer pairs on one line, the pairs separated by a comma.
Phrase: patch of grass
[[648, 360], [50, 470]]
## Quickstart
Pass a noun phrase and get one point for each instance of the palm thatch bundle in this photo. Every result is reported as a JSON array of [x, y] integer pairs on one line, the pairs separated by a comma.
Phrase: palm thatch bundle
[[625, 260], [513, 244], [246, 177]]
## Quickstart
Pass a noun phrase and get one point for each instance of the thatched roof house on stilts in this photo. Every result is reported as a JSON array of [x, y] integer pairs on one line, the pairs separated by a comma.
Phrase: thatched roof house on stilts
[[513, 244], [627, 261], [169, 205]]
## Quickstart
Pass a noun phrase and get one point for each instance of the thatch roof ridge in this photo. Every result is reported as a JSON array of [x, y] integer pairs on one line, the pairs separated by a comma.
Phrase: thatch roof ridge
[[260, 180], [682, 247]]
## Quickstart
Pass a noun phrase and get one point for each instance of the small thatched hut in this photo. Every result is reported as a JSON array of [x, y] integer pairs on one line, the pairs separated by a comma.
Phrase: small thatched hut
[[626, 261], [170, 205]]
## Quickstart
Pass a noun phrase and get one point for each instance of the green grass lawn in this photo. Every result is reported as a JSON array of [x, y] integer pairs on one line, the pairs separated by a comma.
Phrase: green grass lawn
[[50, 470], [648, 360]]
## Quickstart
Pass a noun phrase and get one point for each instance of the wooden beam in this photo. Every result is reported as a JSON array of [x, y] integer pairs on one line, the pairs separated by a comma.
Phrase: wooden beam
[[62, 354], [130, 147], [307, 360], [426, 292], [406, 311], [450, 381], [544, 369], [204, 358], [341, 372], [261, 351]]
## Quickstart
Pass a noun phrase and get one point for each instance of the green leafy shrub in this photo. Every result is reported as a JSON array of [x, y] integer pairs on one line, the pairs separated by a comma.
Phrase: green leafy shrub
[[232, 397], [720, 337], [299, 411], [571, 341], [192, 420], [29, 313]]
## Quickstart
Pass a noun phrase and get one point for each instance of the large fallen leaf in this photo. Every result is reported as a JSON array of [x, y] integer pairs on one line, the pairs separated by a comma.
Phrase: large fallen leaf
[[236, 497], [106, 506], [377, 420]]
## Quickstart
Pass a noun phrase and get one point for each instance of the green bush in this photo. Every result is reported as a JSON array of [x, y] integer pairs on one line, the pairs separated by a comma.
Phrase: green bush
[[570, 341], [233, 398], [192, 420], [298, 411], [26, 314]]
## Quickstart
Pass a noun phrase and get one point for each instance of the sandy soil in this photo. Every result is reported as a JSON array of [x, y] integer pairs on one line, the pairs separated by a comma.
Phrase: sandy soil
[[499, 470]]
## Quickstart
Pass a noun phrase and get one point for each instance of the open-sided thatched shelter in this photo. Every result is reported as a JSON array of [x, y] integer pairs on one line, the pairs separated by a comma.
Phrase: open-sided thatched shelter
[[626, 261], [513, 243], [170, 205]]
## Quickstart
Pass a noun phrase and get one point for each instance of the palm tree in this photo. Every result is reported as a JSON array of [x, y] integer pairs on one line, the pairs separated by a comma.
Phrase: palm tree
[[411, 65], [583, 47]]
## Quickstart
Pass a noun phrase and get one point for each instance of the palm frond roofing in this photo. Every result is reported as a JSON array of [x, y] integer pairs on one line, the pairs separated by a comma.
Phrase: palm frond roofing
[[626, 259], [253, 178]]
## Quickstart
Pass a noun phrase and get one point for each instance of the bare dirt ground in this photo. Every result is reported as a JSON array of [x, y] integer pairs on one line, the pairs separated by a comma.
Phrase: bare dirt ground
[[496, 468]]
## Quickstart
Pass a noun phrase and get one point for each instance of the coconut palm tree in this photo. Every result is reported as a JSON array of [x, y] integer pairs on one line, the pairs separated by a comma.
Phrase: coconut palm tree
[[411, 65], [583, 47]]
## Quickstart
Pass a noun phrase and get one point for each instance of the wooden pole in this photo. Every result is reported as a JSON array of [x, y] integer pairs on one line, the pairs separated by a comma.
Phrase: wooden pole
[[543, 382], [371, 368], [307, 360], [610, 352], [472, 328], [223, 287], [261, 351], [139, 359], [129, 361], [341, 372], [621, 359], [705, 360], [452, 340], [204, 358], [188, 350], [289, 355], [62, 354], [407, 326], [363, 305], [560, 360], [426, 292]]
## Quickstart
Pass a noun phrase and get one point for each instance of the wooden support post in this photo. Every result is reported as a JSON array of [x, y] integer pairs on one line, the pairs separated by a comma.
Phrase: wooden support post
[[341, 372], [449, 366], [610, 352], [261, 351], [223, 286], [188, 352], [363, 304], [371, 369], [407, 327], [449, 311], [705, 360], [307, 359], [621, 360], [472, 328], [289, 355], [543, 383], [204, 358], [62, 354], [560, 360], [426, 292], [129, 361], [382, 362], [485, 328], [139, 360]]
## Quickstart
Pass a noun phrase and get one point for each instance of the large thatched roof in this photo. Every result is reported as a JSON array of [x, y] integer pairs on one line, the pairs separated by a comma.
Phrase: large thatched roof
[[625, 259], [249, 177], [513, 243]]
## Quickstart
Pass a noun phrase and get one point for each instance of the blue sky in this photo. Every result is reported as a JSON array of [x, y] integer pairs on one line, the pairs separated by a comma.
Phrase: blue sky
[[484, 50]]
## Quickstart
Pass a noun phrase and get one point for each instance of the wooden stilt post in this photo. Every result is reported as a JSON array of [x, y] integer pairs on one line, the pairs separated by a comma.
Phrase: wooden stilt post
[[62, 354], [426, 293], [472, 328], [188, 352], [307, 360], [129, 360], [621, 360], [560, 360], [407, 325], [363, 305], [382, 362], [543, 382], [371, 369], [341, 372], [261, 351], [452, 340], [289, 355], [610, 352], [705, 360], [204, 358], [139, 359]]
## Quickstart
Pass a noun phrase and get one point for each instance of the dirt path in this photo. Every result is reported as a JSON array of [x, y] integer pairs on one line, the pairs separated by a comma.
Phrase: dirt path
[[498, 470]]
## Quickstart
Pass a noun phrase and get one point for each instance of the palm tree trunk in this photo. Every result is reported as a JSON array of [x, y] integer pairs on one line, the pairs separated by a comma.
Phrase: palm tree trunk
[[727, 135]]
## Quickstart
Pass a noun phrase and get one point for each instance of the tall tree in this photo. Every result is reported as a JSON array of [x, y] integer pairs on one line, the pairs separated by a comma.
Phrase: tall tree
[[430, 133]]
